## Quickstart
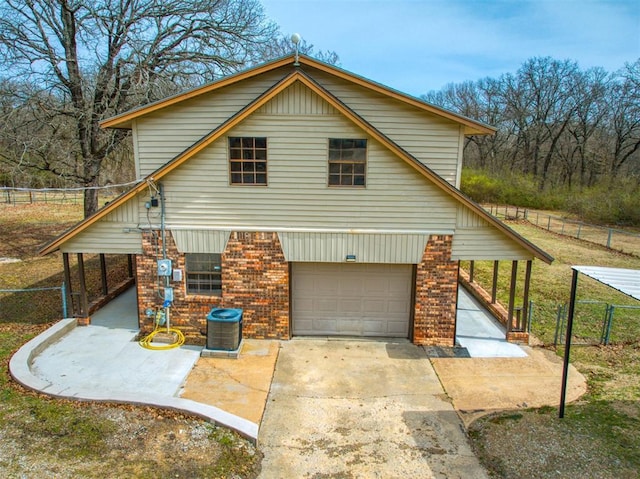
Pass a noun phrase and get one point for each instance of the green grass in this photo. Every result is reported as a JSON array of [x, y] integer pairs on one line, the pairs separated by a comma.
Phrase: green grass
[[75, 439], [551, 285], [600, 434]]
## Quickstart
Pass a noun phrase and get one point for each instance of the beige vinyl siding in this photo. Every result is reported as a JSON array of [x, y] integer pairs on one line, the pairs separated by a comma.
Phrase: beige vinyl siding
[[461, 139], [368, 248], [200, 241], [297, 100], [127, 213], [164, 134], [469, 219], [136, 148], [297, 195], [432, 140], [476, 239], [486, 244], [108, 235]]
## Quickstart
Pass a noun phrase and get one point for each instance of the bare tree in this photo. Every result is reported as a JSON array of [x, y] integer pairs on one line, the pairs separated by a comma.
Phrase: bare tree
[[624, 118], [282, 46], [483, 101], [97, 58], [590, 89]]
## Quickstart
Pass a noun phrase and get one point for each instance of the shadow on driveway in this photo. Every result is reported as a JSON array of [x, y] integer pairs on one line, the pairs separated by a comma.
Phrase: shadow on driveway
[[361, 409]]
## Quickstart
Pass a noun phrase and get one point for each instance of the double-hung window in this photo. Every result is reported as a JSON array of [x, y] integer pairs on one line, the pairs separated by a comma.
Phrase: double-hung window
[[204, 273], [248, 160], [347, 162]]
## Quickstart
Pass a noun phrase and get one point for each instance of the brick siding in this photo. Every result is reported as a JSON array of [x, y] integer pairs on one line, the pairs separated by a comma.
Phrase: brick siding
[[436, 294], [255, 278]]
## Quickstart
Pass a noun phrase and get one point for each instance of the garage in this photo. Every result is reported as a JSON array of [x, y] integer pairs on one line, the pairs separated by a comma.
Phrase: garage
[[351, 299]]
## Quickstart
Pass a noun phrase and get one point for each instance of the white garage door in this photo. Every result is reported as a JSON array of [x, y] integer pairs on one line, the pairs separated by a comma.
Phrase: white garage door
[[347, 299]]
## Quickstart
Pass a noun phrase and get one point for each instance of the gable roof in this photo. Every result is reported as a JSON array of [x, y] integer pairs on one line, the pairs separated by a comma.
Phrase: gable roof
[[297, 75], [471, 127]]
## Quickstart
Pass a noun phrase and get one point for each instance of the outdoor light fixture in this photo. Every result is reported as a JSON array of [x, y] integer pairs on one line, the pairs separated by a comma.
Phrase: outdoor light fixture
[[351, 258]]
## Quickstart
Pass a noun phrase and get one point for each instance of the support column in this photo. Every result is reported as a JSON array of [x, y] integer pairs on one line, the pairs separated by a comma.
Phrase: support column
[[103, 274], [525, 297], [68, 285], [435, 294], [130, 265], [494, 284], [84, 298], [512, 295]]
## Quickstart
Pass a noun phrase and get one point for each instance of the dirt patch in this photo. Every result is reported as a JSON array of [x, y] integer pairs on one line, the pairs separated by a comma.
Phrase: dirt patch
[[132, 442], [537, 444]]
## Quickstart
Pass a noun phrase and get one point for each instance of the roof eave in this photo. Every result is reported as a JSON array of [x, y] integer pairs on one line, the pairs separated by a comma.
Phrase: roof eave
[[124, 120]]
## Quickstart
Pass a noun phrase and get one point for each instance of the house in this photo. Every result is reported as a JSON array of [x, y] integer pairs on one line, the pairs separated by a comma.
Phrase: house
[[317, 201]]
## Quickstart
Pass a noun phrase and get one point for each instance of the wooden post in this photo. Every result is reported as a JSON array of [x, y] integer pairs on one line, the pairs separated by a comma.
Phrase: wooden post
[[84, 299], [512, 293], [68, 285], [103, 274], [130, 265], [525, 297], [471, 270], [494, 285]]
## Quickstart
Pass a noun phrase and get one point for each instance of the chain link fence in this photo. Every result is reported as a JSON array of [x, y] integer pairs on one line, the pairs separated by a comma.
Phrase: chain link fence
[[611, 238], [598, 323], [33, 305]]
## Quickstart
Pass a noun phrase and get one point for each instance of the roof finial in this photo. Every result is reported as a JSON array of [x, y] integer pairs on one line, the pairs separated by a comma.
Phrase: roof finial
[[295, 39]]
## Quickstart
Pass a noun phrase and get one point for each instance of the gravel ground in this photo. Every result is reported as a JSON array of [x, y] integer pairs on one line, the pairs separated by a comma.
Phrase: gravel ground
[[141, 442]]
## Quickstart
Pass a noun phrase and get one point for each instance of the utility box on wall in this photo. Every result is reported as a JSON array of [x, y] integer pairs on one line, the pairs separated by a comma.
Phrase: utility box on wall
[[224, 329], [164, 267]]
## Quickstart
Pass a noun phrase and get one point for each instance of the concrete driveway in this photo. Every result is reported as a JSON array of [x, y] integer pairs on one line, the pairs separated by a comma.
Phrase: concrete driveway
[[361, 409]]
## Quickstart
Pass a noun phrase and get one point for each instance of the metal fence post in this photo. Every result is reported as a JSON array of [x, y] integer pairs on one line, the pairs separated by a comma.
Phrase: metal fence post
[[609, 322], [559, 323], [63, 289]]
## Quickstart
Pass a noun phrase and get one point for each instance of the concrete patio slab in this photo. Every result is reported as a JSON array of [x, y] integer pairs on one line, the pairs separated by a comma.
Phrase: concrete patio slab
[[479, 333], [239, 386], [103, 362], [479, 386]]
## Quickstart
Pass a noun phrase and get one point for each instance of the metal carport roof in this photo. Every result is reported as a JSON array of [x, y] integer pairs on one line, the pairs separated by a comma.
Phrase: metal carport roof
[[626, 281]]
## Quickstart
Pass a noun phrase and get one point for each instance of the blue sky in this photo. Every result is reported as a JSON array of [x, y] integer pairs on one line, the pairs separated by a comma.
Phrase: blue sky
[[419, 45]]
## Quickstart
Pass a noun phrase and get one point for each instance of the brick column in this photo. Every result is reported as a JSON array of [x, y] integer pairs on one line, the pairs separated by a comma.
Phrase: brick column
[[436, 294], [256, 279]]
